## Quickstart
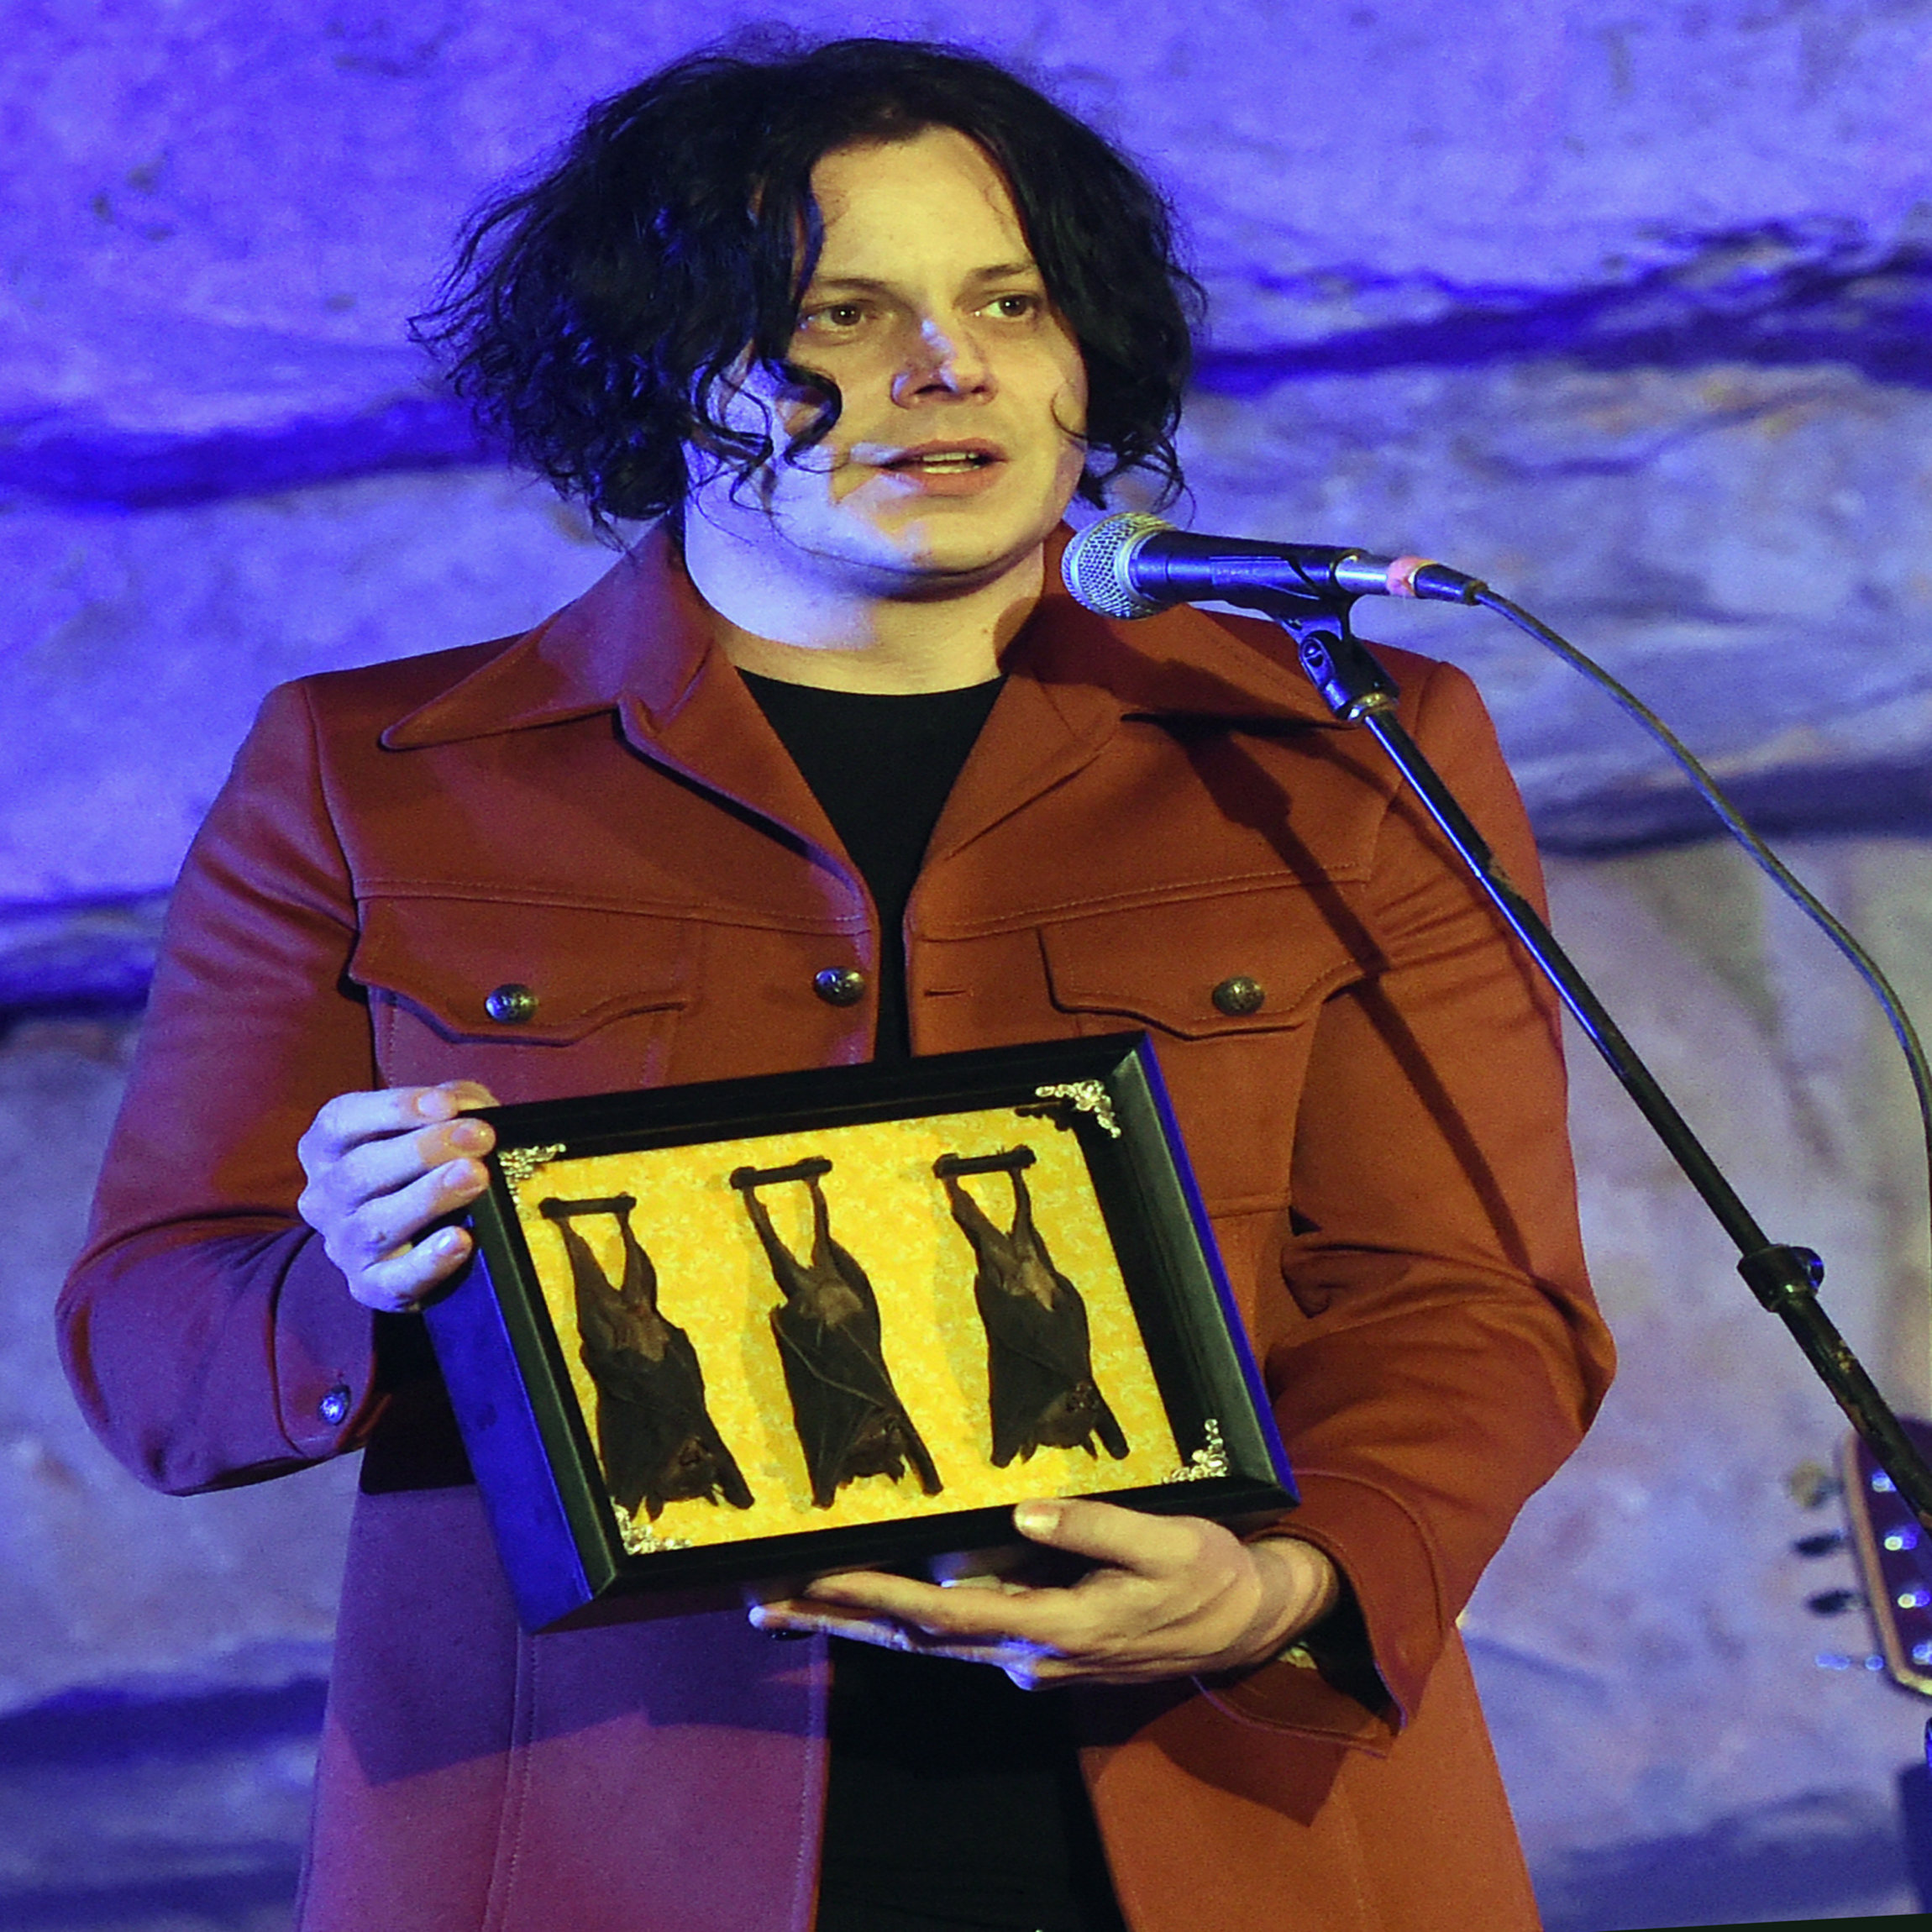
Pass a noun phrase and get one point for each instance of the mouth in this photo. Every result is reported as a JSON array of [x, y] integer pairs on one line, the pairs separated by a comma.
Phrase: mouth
[[936, 459]]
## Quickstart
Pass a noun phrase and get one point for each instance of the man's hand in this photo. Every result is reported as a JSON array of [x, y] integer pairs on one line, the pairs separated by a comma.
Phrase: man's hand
[[380, 1167], [1170, 1596]]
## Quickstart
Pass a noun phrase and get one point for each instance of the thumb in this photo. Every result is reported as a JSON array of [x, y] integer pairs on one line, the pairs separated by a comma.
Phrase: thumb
[[1105, 1533]]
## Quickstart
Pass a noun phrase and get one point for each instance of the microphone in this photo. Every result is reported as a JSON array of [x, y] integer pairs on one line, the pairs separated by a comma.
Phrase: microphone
[[1133, 565]]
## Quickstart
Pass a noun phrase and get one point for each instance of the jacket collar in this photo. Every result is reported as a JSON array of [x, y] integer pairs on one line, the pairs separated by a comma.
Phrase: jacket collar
[[637, 642], [638, 636]]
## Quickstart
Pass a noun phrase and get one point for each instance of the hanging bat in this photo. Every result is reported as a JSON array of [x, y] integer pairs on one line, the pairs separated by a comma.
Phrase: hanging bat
[[849, 1419], [654, 1433], [1039, 1361]]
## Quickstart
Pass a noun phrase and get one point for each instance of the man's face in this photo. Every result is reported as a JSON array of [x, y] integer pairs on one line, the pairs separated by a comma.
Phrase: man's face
[[963, 391]]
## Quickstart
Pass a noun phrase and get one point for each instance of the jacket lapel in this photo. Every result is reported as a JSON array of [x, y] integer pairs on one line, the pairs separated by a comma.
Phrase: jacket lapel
[[1072, 676], [637, 642]]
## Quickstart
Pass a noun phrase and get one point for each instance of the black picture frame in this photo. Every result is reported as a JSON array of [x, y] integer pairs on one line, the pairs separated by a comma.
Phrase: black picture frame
[[565, 1357]]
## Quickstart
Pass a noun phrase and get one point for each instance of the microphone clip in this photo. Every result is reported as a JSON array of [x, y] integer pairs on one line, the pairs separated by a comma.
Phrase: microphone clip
[[1337, 662]]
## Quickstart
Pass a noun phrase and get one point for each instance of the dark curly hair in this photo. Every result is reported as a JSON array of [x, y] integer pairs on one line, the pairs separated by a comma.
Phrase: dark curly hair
[[589, 317]]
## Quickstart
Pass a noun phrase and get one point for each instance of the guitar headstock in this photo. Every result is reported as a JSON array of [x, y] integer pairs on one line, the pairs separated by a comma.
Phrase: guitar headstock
[[1894, 1555]]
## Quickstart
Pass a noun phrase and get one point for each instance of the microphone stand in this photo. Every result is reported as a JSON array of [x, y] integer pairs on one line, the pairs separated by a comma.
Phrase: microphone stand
[[1784, 1279]]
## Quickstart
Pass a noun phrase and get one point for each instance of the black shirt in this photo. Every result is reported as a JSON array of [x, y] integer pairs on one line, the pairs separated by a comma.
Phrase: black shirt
[[955, 1798], [882, 768]]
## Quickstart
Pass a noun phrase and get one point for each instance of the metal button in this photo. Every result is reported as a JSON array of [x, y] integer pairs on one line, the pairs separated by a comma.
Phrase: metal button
[[839, 985], [1239, 996], [334, 1407], [511, 1003]]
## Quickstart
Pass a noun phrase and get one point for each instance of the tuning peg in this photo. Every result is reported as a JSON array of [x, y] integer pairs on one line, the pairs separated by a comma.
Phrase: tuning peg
[[1833, 1603], [1825, 1543]]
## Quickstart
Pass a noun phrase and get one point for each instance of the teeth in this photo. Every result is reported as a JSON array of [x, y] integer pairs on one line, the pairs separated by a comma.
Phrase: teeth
[[965, 460]]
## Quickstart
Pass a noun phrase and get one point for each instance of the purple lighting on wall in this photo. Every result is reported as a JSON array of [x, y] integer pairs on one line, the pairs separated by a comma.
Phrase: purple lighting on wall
[[124, 471]]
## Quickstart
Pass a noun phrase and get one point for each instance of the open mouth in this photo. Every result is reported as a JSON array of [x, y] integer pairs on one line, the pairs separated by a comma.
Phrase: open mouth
[[942, 462]]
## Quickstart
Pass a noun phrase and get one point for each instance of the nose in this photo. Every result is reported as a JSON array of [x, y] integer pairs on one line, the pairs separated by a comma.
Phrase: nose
[[945, 358]]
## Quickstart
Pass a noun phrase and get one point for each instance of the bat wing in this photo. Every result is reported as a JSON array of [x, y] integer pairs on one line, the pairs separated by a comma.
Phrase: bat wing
[[656, 1435], [1040, 1374], [833, 1391], [849, 1419]]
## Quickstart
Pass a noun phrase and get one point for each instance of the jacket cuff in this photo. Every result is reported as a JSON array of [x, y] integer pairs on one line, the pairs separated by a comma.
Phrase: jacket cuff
[[1357, 1674], [324, 1356]]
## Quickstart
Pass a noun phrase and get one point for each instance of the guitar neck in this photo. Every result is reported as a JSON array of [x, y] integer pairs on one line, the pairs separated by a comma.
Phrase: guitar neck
[[1892, 1550]]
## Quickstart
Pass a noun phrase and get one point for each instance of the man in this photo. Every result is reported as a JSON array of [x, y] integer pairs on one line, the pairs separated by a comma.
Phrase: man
[[828, 768]]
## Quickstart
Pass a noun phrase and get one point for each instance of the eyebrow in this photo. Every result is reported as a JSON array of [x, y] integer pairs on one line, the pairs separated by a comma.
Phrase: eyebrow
[[998, 271]]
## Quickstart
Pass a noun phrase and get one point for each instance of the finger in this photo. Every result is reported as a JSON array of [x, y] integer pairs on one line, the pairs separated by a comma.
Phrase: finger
[[390, 1222], [1124, 1539], [925, 1604], [396, 1160], [799, 1618], [868, 1590], [1016, 1615], [349, 1120], [400, 1283]]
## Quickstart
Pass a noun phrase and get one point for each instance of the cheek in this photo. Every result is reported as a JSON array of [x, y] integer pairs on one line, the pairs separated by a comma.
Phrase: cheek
[[1069, 401], [1072, 410], [1066, 376]]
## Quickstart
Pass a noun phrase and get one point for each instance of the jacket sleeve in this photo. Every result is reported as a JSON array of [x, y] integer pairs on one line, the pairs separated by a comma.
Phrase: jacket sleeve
[[208, 1338], [1439, 1353]]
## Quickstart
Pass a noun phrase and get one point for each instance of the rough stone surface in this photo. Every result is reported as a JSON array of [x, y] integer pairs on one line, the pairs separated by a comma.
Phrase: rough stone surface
[[1626, 309], [138, 646], [103, 1581], [79, 955], [175, 1812], [1676, 1754], [1643, 1642], [260, 193], [1742, 546]]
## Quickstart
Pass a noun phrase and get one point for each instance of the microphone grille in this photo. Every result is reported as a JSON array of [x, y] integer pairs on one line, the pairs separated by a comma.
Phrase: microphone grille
[[1094, 568]]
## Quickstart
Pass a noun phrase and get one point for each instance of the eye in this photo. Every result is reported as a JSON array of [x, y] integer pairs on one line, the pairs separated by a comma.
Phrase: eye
[[833, 315], [1016, 306]]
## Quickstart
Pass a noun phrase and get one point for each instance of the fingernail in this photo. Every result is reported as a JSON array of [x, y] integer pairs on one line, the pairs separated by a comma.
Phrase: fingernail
[[768, 1621], [473, 1135], [434, 1104], [462, 1173], [1036, 1518], [448, 1242]]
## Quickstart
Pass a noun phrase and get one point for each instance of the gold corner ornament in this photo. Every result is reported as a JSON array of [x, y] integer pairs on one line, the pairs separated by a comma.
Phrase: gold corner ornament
[[520, 1163], [1086, 1097], [1207, 1461], [640, 1539]]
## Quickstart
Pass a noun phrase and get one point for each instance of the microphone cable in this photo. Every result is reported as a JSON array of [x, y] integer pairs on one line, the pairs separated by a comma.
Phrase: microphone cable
[[1734, 821]]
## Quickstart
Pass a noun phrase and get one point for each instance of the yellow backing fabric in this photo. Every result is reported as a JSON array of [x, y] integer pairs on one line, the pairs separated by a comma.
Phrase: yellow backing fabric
[[891, 1213]]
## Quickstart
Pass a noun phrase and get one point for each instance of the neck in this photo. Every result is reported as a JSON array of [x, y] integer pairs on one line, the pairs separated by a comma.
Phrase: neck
[[805, 632]]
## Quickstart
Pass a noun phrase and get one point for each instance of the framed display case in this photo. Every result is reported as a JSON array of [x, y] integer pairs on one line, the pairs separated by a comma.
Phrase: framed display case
[[739, 1333]]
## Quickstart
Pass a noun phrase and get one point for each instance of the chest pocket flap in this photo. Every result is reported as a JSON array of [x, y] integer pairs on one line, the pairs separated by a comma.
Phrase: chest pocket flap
[[487, 969], [1252, 961]]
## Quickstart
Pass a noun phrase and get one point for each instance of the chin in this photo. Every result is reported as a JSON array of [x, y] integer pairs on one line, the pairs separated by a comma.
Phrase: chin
[[947, 544]]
